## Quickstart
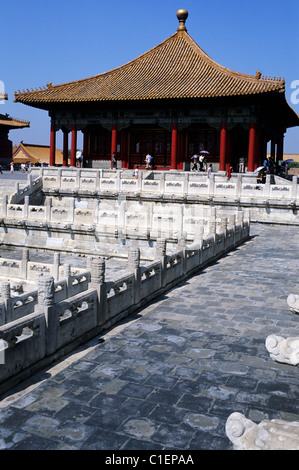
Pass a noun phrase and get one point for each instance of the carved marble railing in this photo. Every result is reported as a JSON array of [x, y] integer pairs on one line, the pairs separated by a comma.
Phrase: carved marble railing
[[62, 314], [167, 183], [268, 435]]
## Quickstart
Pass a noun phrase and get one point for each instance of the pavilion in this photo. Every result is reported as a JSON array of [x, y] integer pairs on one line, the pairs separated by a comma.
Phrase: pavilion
[[7, 123], [173, 101]]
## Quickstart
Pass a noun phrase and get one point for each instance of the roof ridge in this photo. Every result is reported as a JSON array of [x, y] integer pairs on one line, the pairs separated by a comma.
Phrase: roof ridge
[[226, 69]]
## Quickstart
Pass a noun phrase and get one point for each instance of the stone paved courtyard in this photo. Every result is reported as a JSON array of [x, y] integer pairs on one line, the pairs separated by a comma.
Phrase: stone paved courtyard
[[169, 376]]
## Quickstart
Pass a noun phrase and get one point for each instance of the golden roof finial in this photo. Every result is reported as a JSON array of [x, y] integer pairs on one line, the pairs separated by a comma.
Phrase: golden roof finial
[[182, 16]]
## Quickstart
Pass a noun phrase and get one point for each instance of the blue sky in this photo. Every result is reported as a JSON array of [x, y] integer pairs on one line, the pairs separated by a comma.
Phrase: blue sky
[[61, 41]]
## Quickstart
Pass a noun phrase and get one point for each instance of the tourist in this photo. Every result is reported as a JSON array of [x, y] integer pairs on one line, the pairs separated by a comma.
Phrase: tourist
[[113, 161], [241, 164], [148, 161], [194, 158], [266, 164], [135, 173], [12, 170], [201, 161], [229, 172], [259, 178], [210, 169]]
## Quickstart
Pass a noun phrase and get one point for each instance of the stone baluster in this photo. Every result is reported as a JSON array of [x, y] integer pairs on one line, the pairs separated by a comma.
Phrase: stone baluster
[[58, 181], [78, 178], [48, 209], [97, 211], [162, 182], [97, 281], [72, 210], [5, 294], [240, 218], [118, 181], [26, 207], [223, 229], [266, 191], [24, 262], [67, 276], [186, 184], [182, 244], [161, 255], [239, 186], [46, 304], [211, 185], [198, 239], [4, 202], [56, 264], [213, 226], [139, 182], [134, 266], [294, 190]]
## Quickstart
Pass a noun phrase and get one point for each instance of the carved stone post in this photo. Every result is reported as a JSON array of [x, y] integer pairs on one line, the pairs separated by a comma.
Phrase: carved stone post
[[5, 294], [231, 220], [198, 239], [46, 304], [24, 262], [162, 182], [134, 266], [4, 202], [223, 229], [161, 254], [97, 274], [48, 209], [67, 276], [26, 207], [294, 189], [56, 265]]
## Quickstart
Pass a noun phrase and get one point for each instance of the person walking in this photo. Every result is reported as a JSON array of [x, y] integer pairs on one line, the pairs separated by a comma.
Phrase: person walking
[[113, 161], [148, 161]]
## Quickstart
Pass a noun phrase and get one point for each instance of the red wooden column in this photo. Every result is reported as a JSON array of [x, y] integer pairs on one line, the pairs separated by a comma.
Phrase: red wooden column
[[223, 140], [113, 140], [52, 145], [257, 151], [174, 146], [124, 148], [251, 146], [65, 148], [74, 145]]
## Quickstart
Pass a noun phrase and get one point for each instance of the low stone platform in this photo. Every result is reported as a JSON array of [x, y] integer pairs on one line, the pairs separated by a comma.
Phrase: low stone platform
[[170, 376]]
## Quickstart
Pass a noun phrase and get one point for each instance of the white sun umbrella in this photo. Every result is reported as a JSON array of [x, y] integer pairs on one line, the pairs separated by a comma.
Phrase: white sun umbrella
[[258, 169]]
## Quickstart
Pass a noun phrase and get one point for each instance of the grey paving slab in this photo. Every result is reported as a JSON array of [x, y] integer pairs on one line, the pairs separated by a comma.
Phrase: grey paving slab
[[168, 377]]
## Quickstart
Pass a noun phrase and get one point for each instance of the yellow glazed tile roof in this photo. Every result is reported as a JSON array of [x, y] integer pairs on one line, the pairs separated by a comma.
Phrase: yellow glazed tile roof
[[35, 154], [177, 68], [12, 123]]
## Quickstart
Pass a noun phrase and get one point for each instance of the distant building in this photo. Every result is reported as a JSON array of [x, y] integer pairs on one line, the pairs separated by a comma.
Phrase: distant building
[[35, 154], [8, 123], [172, 102]]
